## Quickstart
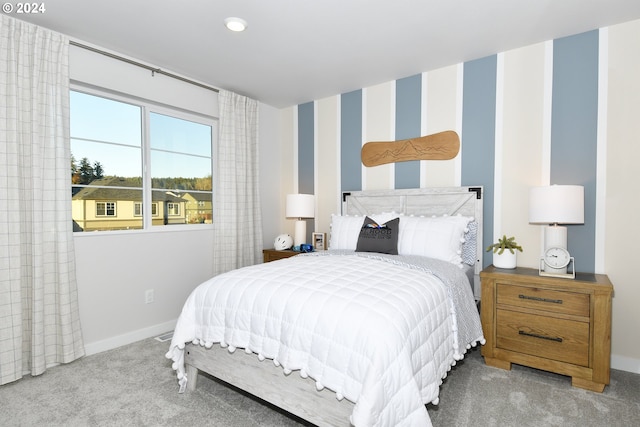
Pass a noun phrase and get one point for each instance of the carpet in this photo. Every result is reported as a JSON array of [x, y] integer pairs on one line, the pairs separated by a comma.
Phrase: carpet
[[134, 385]]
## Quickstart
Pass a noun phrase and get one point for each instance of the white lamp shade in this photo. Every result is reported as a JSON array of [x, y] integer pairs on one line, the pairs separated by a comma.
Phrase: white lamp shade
[[300, 206], [556, 204]]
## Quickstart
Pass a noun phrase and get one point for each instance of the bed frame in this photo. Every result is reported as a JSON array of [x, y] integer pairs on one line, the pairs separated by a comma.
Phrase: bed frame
[[298, 395]]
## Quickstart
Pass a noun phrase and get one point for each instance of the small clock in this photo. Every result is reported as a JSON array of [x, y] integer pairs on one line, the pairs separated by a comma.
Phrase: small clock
[[557, 257], [554, 263]]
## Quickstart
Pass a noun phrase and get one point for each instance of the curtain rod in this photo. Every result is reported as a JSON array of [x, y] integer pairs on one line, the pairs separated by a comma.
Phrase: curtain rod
[[141, 65]]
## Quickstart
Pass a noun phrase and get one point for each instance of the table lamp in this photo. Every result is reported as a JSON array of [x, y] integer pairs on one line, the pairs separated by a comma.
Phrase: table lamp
[[554, 205], [300, 206]]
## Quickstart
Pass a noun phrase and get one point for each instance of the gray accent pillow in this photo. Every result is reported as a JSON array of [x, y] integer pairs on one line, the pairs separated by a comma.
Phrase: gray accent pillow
[[381, 238]]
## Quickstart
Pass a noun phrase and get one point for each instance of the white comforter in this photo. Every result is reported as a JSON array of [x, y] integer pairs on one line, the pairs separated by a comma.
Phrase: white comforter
[[380, 331]]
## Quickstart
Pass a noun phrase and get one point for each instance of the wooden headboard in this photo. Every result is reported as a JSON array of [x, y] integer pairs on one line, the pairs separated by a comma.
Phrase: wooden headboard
[[465, 201]]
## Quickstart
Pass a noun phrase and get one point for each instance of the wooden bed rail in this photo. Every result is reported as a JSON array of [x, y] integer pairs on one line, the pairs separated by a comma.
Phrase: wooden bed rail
[[263, 379]]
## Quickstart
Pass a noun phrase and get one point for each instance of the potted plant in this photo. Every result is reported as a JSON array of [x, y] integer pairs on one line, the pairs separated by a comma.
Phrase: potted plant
[[504, 252]]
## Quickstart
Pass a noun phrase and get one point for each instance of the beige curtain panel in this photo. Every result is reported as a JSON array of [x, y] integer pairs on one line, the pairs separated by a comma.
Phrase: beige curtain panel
[[39, 318], [237, 215]]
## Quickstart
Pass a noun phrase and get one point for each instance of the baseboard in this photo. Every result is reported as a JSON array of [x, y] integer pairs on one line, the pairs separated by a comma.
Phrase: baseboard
[[128, 338], [623, 363]]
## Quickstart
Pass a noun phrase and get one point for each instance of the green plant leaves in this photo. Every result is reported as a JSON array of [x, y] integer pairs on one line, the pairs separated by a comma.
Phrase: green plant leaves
[[505, 243]]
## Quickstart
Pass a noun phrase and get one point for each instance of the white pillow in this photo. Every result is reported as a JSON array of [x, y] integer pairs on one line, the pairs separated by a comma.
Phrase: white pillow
[[345, 231], [434, 237]]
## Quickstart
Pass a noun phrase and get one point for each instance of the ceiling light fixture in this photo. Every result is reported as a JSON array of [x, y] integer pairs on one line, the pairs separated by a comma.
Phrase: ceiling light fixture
[[235, 24]]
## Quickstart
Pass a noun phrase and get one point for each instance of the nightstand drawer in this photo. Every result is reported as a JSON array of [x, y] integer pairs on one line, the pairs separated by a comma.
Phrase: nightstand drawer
[[543, 299], [547, 337]]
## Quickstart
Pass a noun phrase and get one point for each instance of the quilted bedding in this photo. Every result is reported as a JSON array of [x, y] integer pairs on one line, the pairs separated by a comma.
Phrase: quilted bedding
[[379, 330]]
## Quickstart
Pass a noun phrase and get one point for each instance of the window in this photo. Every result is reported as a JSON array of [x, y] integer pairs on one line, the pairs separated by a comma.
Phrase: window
[[153, 162], [105, 209], [138, 209], [173, 208]]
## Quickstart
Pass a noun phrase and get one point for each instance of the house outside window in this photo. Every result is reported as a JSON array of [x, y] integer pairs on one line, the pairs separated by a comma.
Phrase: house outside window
[[150, 160]]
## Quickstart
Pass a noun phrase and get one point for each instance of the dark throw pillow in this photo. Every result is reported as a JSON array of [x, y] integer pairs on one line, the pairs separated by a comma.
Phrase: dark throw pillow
[[381, 238]]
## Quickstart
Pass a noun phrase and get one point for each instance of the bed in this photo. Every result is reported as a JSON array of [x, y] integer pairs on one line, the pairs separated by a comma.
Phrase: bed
[[348, 337]]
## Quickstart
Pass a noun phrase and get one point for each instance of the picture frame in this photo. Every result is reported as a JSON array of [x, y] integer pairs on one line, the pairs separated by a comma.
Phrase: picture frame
[[319, 241]]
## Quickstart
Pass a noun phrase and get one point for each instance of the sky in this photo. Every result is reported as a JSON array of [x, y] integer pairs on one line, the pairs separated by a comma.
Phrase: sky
[[110, 132]]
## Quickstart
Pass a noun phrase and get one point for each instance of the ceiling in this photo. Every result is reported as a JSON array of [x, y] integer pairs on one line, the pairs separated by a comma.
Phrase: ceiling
[[295, 51]]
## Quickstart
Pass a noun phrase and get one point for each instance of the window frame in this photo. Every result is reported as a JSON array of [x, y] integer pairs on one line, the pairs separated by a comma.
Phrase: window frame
[[147, 107]]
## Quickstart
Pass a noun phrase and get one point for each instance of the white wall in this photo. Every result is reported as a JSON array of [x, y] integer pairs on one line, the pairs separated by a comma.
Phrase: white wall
[[621, 204], [115, 269], [98, 70]]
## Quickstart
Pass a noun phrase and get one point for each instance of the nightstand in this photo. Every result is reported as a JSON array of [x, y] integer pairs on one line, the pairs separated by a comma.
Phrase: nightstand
[[273, 255], [554, 324]]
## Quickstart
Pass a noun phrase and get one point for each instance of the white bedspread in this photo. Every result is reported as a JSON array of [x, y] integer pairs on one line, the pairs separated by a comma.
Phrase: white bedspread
[[380, 331]]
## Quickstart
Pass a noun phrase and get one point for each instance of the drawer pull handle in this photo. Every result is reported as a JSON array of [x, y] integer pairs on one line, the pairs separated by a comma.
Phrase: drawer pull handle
[[554, 301], [529, 334]]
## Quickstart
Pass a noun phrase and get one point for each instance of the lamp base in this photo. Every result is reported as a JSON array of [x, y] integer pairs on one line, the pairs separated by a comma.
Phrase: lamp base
[[555, 236], [300, 234]]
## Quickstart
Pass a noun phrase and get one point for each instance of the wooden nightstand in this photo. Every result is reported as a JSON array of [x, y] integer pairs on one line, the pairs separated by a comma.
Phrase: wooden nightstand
[[273, 255], [557, 325]]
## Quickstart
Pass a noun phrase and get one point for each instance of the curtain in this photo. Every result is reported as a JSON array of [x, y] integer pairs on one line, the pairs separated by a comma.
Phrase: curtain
[[237, 215], [39, 317]]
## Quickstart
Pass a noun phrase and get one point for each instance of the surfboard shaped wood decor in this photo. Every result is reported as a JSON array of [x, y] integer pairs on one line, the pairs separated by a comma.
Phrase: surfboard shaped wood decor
[[438, 146]]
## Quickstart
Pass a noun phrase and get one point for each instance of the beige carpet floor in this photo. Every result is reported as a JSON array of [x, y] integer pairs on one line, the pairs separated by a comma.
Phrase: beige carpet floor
[[135, 386]]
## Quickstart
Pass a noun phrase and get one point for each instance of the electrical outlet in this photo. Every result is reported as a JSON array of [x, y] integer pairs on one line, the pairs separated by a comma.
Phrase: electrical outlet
[[148, 296]]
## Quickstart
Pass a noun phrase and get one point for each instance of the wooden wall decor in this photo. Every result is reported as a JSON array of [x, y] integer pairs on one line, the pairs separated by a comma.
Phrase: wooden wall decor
[[438, 146]]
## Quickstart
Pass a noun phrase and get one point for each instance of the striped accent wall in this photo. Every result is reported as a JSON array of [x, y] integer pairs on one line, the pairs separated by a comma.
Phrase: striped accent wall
[[306, 155], [479, 136], [408, 125], [351, 141], [563, 111], [306, 159], [526, 117], [574, 133]]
